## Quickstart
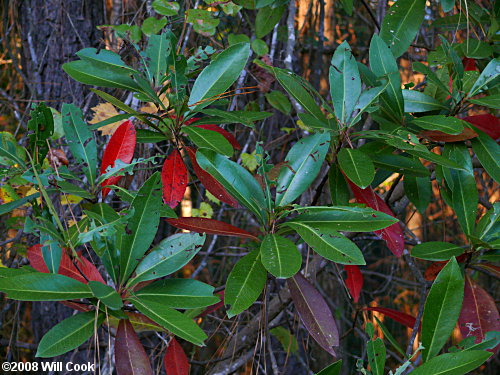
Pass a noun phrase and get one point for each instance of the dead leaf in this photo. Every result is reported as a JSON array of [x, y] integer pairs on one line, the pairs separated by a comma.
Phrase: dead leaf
[[102, 112]]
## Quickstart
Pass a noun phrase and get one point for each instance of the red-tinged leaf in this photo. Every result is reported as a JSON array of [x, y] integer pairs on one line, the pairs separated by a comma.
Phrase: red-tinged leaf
[[354, 281], [174, 177], [85, 271], [432, 271], [130, 356], [396, 315], [230, 138], [392, 235], [210, 226], [469, 64], [487, 123], [75, 306], [438, 136], [479, 312], [210, 183], [216, 306], [314, 313], [494, 270], [120, 146], [175, 360]]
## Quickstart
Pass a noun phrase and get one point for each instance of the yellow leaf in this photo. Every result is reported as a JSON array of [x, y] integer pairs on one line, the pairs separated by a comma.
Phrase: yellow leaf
[[102, 112], [70, 199]]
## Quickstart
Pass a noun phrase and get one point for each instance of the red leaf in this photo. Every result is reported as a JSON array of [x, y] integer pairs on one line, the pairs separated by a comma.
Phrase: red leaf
[[174, 177], [210, 183], [210, 226], [469, 64], [175, 360], [438, 136], [216, 306], [432, 271], [231, 139], [75, 306], [66, 267], [354, 281], [396, 315], [120, 146], [130, 356], [314, 312], [479, 312], [392, 235], [487, 123]]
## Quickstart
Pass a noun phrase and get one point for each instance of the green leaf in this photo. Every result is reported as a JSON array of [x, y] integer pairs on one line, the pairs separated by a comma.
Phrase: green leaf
[[489, 77], [286, 339], [260, 47], [401, 24], [179, 293], [168, 256], [389, 337], [329, 243], [357, 166], [442, 309], [376, 352], [149, 136], [292, 84], [447, 5], [43, 287], [8, 207], [366, 99], [245, 283], [266, 19], [279, 101], [436, 250], [155, 56], [203, 21], [432, 77], [142, 225], [10, 152], [280, 256], [453, 363], [80, 139], [491, 101], [206, 138], [238, 182], [335, 367], [304, 161], [152, 25], [345, 82], [235, 117], [166, 8], [416, 101], [69, 334], [69, 188], [339, 191], [446, 124], [171, 319], [348, 219], [222, 72], [419, 191], [400, 164], [383, 63], [476, 49], [106, 294], [488, 153]]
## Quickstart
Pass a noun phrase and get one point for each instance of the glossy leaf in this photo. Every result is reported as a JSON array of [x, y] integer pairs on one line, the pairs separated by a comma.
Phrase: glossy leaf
[[106, 295], [36, 286], [236, 180], [479, 313], [438, 136], [398, 316], [392, 235], [245, 283], [400, 164], [401, 24], [174, 179], [280, 256], [314, 313], [488, 153], [376, 356], [357, 166], [266, 19], [175, 359], [339, 191], [335, 367], [217, 77], [459, 363], [210, 183], [155, 56], [416, 102], [179, 293], [142, 225], [489, 77], [130, 356], [329, 243], [168, 256], [230, 138], [487, 123], [304, 161], [210, 226], [354, 281], [345, 82], [446, 124], [442, 309], [436, 251], [121, 146], [69, 334], [349, 219], [210, 139], [171, 319]]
